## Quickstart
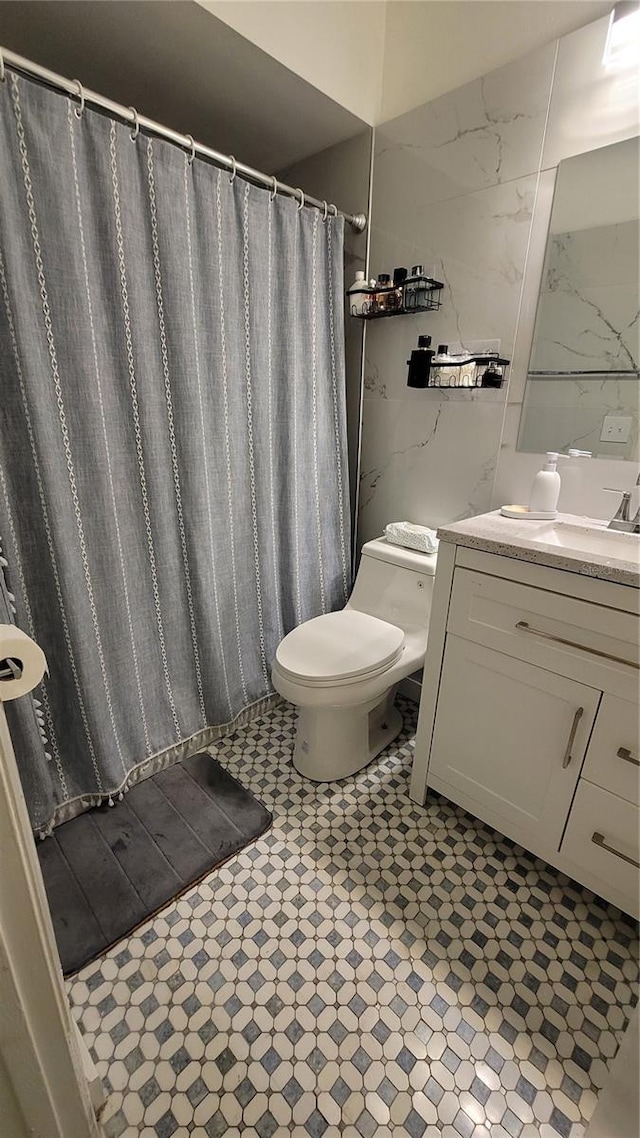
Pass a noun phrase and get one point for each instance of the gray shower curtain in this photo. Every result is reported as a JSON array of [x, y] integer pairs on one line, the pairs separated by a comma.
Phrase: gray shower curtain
[[173, 478]]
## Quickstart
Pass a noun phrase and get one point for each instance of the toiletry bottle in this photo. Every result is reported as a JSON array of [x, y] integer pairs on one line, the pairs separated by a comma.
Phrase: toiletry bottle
[[408, 299], [358, 295], [420, 363], [443, 373], [384, 291], [545, 490], [399, 277]]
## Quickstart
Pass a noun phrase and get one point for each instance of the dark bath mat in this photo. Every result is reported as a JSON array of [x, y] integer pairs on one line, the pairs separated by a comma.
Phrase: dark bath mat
[[108, 871]]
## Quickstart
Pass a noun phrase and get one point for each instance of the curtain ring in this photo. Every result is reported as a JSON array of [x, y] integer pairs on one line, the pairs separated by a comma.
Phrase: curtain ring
[[136, 124], [325, 211], [275, 188], [333, 209], [233, 171], [301, 202], [2, 72], [190, 157], [79, 110]]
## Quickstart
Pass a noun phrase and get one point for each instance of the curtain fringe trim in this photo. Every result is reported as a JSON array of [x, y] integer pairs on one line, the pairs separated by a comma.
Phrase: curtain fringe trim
[[158, 762]]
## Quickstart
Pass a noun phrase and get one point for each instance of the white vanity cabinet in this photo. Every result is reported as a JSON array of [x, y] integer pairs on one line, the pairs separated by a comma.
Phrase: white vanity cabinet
[[529, 716], [511, 736]]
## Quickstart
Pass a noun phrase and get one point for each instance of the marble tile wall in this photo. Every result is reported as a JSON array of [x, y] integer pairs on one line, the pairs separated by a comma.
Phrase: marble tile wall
[[464, 185], [453, 189]]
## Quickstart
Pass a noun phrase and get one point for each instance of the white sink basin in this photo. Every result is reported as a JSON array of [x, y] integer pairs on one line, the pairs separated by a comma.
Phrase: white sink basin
[[591, 538]]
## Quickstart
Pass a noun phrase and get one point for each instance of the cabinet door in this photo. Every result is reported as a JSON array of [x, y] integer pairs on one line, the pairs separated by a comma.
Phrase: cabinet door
[[511, 737], [602, 841], [613, 757]]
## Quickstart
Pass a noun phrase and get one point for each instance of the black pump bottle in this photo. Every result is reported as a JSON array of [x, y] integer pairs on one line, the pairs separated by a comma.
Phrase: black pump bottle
[[420, 363]]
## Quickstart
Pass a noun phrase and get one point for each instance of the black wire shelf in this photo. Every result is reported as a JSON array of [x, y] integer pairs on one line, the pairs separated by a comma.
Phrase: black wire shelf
[[429, 301]]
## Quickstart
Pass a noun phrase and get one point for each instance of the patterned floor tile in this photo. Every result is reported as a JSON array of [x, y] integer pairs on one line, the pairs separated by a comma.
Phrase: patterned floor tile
[[369, 966]]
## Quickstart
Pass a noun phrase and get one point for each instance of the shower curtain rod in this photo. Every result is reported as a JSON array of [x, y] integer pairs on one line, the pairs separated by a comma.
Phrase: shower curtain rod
[[357, 221]]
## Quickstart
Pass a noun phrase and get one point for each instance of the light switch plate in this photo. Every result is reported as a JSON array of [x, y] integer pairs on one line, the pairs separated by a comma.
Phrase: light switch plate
[[616, 429]]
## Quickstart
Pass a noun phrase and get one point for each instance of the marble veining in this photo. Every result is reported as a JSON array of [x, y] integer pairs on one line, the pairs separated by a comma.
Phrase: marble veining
[[487, 132], [373, 387], [370, 478], [588, 311], [413, 467], [509, 537]]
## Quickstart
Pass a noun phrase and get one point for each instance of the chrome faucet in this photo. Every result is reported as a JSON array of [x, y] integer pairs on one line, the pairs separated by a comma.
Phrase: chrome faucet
[[621, 520]]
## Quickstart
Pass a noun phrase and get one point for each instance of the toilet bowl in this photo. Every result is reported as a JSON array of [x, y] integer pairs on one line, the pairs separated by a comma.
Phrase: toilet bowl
[[342, 670]]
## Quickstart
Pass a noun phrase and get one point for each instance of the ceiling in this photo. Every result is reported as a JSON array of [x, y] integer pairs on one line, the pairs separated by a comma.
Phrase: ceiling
[[180, 65], [380, 58]]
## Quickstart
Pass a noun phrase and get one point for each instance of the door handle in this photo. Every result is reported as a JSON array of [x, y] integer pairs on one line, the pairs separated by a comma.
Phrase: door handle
[[572, 735], [598, 840], [625, 753]]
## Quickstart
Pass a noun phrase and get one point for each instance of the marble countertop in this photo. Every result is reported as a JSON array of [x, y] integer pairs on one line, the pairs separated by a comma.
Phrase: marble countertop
[[525, 540]]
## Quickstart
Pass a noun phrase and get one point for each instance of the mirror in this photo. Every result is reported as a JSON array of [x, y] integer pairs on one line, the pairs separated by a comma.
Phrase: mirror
[[583, 383]]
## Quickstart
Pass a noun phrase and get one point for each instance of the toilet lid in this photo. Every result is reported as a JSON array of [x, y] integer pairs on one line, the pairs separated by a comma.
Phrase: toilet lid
[[338, 646]]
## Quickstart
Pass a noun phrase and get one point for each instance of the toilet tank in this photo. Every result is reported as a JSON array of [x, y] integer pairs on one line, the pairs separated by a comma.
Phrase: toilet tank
[[395, 584]]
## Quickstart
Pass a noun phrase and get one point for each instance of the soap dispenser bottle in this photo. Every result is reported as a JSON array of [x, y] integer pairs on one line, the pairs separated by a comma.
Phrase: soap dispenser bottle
[[545, 490]]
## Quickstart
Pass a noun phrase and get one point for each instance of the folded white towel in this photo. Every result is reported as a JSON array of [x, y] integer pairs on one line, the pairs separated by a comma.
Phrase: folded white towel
[[412, 536]]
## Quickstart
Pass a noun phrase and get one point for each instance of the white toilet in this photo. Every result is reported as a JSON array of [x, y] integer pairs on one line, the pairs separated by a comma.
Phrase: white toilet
[[342, 670]]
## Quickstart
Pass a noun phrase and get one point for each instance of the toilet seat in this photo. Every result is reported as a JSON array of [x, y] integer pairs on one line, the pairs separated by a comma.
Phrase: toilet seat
[[339, 647]]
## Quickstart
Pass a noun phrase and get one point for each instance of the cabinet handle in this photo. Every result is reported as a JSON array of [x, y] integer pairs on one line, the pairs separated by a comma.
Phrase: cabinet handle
[[524, 627], [572, 734], [598, 840], [625, 753]]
